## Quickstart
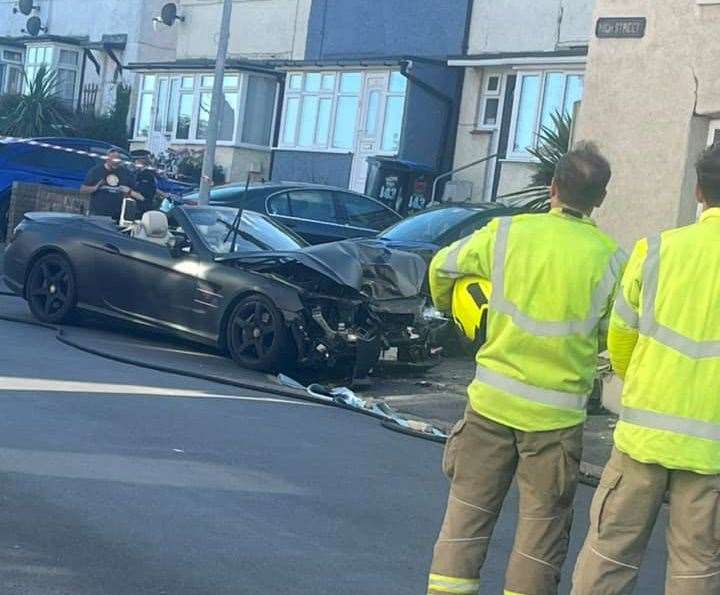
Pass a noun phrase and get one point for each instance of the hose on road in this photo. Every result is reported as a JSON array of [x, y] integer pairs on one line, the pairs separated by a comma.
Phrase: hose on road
[[589, 474]]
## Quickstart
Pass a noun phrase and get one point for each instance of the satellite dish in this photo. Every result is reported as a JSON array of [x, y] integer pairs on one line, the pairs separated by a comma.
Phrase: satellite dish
[[34, 26], [25, 6], [169, 14]]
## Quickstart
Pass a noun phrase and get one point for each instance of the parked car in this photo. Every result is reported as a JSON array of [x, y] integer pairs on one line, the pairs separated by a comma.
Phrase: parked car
[[231, 279], [427, 232], [22, 162], [317, 213]]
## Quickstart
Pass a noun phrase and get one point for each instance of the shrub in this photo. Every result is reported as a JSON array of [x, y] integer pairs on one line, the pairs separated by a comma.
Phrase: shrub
[[39, 111], [111, 126]]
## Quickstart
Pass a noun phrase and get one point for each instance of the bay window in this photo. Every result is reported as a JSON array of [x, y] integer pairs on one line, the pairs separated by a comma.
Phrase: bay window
[[327, 110], [178, 106], [65, 61], [539, 95]]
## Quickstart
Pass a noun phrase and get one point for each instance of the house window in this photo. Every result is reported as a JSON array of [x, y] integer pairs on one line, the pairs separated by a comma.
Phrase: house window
[[64, 61], [145, 105], [491, 102], [321, 111], [394, 113], [178, 106], [11, 71], [538, 96]]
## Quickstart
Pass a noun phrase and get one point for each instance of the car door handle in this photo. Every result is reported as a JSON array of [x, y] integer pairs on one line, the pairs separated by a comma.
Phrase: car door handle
[[112, 248]]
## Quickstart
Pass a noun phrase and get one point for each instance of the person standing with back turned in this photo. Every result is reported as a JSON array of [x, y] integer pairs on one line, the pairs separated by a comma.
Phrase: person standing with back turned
[[665, 342], [554, 278]]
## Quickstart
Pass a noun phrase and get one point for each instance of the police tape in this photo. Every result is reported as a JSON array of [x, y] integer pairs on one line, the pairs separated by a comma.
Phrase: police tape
[[103, 156]]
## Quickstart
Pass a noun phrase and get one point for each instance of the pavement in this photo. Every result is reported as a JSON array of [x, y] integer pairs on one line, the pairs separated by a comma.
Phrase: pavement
[[116, 479]]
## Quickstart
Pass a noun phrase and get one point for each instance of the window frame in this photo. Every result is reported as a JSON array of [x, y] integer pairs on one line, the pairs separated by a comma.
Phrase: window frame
[[240, 90], [334, 95], [523, 155], [55, 64], [10, 65], [486, 96]]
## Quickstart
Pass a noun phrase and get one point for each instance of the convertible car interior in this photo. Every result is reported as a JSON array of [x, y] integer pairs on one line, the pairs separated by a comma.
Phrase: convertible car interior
[[153, 227]]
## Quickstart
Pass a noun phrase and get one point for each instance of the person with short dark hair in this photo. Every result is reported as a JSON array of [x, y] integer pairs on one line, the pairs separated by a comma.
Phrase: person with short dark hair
[[553, 278], [663, 341], [581, 178], [109, 183]]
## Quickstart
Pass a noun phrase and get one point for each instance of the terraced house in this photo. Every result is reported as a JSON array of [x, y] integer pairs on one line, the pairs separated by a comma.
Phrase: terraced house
[[313, 87], [526, 59], [86, 43]]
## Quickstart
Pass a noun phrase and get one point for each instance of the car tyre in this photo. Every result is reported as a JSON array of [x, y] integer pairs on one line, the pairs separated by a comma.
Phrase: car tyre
[[257, 337], [51, 289]]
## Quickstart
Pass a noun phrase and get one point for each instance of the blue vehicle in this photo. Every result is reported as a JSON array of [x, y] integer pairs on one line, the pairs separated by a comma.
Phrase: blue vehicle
[[22, 162]]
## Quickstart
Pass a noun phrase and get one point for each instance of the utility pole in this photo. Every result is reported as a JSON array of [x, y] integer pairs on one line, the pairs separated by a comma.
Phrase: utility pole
[[216, 105]]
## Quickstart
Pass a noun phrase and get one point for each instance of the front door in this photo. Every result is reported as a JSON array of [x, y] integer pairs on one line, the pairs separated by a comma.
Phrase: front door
[[368, 138]]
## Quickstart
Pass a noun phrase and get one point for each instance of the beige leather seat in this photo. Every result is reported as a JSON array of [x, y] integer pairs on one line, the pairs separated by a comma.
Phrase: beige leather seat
[[153, 227]]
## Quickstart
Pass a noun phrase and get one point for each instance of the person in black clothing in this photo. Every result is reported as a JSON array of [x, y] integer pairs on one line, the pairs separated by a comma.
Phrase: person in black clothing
[[145, 180], [110, 182]]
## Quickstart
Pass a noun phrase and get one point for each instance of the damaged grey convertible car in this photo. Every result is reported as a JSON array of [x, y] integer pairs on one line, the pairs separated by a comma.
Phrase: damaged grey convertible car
[[228, 278]]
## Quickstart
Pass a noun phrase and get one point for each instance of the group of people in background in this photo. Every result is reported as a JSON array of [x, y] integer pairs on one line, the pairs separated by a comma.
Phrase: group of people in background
[[112, 181]]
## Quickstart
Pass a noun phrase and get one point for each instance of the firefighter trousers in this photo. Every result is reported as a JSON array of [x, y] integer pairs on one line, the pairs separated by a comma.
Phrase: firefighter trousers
[[622, 517], [481, 459]]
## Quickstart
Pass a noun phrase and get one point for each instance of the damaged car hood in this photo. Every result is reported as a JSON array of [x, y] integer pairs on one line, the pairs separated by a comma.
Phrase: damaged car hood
[[367, 266]]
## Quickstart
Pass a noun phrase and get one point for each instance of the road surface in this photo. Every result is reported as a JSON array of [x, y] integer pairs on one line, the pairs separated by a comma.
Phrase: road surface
[[119, 480]]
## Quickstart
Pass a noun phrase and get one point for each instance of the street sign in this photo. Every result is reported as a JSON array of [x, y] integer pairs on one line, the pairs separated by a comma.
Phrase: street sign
[[621, 27]]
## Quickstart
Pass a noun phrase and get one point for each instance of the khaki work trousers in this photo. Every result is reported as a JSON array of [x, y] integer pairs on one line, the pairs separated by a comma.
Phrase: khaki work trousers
[[481, 458], [622, 516]]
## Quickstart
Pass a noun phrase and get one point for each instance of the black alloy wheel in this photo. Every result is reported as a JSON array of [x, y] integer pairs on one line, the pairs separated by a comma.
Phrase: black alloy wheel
[[51, 290], [256, 335]]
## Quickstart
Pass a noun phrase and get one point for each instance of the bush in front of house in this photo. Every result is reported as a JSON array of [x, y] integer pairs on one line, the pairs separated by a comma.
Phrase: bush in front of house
[[37, 112], [111, 126]]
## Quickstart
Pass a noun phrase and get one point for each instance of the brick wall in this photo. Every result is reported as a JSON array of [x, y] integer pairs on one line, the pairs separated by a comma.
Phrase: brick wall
[[36, 197]]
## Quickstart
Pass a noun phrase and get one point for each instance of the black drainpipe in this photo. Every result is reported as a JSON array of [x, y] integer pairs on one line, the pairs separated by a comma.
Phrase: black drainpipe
[[278, 122], [468, 26], [82, 80]]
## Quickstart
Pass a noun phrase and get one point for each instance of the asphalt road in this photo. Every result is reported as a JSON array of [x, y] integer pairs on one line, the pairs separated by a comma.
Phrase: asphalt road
[[119, 480]]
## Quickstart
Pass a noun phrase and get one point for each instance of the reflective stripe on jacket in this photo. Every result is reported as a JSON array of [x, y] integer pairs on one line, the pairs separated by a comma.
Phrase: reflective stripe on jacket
[[665, 340], [554, 278]]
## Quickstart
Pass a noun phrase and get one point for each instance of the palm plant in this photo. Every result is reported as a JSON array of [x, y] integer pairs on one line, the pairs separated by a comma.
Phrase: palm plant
[[39, 111], [553, 143]]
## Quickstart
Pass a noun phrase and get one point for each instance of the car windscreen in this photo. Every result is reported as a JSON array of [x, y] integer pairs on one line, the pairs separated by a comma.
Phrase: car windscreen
[[429, 226], [255, 233]]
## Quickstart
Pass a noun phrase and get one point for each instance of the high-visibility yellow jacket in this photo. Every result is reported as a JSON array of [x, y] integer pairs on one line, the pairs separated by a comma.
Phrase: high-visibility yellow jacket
[[554, 278], [664, 340]]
